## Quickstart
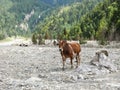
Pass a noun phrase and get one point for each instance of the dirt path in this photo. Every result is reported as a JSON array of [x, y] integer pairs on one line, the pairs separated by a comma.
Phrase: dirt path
[[39, 68]]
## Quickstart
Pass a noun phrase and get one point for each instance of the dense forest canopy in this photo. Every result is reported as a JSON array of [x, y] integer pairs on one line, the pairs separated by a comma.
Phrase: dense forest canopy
[[83, 20], [103, 22], [65, 20], [61, 19], [19, 17]]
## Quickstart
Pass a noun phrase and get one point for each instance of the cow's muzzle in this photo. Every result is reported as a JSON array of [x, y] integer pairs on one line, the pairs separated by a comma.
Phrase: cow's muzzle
[[60, 49]]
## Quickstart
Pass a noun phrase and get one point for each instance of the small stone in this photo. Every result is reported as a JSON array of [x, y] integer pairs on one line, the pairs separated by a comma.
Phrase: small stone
[[80, 77], [1, 80], [42, 76], [74, 78]]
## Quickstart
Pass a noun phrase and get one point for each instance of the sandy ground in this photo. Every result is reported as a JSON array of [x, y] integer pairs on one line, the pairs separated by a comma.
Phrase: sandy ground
[[39, 68]]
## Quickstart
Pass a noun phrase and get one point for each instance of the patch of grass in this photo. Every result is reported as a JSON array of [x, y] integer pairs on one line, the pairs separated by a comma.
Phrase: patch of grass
[[13, 38], [6, 40], [103, 42], [83, 41]]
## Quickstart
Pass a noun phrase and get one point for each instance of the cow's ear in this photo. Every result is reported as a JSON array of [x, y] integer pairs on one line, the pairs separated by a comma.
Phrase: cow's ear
[[57, 43], [65, 41]]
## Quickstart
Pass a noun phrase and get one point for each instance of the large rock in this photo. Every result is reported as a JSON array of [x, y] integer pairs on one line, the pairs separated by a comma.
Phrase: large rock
[[101, 64], [101, 60]]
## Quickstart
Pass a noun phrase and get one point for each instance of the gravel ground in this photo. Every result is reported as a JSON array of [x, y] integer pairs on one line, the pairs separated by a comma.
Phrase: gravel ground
[[39, 68]]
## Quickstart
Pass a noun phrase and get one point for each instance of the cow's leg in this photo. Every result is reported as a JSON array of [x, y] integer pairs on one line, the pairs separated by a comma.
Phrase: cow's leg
[[71, 61], [64, 59], [78, 60]]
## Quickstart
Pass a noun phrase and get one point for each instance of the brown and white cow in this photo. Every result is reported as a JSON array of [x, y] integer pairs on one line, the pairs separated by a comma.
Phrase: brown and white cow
[[69, 50]]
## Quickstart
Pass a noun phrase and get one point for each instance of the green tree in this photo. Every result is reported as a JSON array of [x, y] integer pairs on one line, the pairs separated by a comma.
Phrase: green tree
[[39, 39], [34, 39]]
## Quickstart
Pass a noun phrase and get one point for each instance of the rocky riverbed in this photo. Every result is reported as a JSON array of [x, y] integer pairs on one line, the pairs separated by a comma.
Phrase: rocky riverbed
[[39, 68]]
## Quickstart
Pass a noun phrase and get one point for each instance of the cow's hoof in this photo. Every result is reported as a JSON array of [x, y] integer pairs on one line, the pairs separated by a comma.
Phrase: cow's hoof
[[76, 61], [76, 66], [63, 69], [71, 67]]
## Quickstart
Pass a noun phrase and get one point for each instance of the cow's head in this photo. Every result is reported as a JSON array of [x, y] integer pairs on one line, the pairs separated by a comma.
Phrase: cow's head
[[61, 45]]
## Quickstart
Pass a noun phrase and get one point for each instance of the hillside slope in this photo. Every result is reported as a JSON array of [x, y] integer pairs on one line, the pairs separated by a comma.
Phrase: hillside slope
[[19, 17], [103, 22], [83, 20], [64, 22]]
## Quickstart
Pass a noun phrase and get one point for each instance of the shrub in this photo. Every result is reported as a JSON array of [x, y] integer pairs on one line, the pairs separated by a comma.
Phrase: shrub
[[34, 39]]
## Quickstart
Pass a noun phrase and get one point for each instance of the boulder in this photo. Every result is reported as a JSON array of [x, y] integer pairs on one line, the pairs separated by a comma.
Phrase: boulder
[[101, 60]]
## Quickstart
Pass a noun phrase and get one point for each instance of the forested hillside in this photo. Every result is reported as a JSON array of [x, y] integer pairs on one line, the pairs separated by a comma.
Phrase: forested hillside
[[64, 22], [61, 19], [84, 21], [18, 17], [7, 19], [103, 22]]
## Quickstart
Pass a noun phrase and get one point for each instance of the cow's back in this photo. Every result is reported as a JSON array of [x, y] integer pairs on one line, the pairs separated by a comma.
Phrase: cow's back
[[76, 47]]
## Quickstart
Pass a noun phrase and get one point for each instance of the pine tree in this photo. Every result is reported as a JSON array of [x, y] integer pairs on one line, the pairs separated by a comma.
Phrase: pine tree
[[39, 39], [34, 39]]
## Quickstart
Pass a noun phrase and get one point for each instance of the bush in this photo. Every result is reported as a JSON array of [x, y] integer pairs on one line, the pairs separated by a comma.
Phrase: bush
[[82, 41], [34, 39], [40, 40], [102, 42]]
